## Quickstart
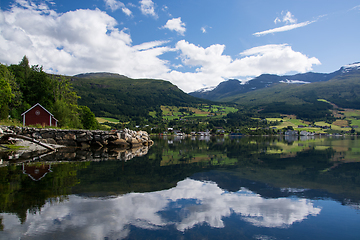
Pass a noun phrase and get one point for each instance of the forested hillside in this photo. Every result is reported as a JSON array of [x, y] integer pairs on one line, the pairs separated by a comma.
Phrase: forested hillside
[[22, 86], [113, 95]]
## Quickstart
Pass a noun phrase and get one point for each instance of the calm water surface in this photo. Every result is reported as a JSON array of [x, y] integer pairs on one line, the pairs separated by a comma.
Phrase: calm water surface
[[192, 188]]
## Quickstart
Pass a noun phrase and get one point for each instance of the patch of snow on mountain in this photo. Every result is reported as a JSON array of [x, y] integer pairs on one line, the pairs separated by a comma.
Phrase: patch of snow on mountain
[[206, 89], [294, 81], [349, 67]]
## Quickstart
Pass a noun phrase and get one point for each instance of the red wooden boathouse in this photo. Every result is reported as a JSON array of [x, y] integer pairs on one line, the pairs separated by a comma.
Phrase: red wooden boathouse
[[37, 114]]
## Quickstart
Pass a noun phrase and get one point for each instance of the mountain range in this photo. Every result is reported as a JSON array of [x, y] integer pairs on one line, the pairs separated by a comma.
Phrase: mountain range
[[305, 95], [114, 95], [228, 90]]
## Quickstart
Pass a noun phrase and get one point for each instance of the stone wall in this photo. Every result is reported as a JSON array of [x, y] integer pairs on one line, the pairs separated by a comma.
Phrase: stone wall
[[84, 138]]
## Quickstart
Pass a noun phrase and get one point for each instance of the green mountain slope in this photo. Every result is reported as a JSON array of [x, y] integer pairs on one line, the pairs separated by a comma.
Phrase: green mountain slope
[[343, 91], [302, 100], [113, 95], [234, 87]]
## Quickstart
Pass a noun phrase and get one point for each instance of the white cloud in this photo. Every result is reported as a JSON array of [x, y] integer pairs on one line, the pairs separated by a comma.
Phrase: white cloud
[[95, 218], [213, 67], [89, 41], [176, 25], [115, 5], [165, 9], [126, 11], [75, 42], [289, 20], [204, 29], [283, 28], [206, 57], [356, 8], [276, 59], [147, 7], [277, 20]]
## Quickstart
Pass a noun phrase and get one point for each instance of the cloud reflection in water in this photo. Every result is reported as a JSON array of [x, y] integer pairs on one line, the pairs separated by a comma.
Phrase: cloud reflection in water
[[190, 203]]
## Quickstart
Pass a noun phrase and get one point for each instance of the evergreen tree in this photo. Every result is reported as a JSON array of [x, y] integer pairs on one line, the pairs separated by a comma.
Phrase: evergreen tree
[[21, 72], [39, 88]]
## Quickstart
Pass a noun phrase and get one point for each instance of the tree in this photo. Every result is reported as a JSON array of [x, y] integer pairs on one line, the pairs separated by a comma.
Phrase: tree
[[39, 88], [65, 107], [5, 97], [87, 118], [34, 83], [6, 94], [21, 72], [67, 115], [25, 64]]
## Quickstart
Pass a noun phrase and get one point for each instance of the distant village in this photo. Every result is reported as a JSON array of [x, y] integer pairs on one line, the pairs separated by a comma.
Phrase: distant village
[[222, 131]]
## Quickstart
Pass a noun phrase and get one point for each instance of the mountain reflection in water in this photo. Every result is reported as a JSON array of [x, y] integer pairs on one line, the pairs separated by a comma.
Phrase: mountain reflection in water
[[248, 188]]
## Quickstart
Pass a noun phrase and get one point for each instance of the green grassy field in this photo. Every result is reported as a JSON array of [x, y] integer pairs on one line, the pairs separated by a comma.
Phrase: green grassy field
[[323, 100], [298, 122], [287, 121], [351, 113], [172, 112], [103, 120], [323, 124], [273, 119], [340, 125]]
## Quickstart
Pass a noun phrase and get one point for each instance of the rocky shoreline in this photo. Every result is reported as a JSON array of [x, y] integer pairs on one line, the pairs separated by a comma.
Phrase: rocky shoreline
[[75, 144], [125, 138]]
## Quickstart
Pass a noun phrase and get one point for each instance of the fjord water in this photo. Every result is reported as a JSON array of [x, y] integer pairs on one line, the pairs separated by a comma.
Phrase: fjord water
[[190, 188]]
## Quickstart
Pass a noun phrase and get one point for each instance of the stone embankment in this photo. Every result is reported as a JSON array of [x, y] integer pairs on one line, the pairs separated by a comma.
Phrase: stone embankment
[[84, 138]]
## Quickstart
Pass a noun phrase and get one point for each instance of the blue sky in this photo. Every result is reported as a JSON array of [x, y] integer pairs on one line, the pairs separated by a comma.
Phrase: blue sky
[[191, 43]]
